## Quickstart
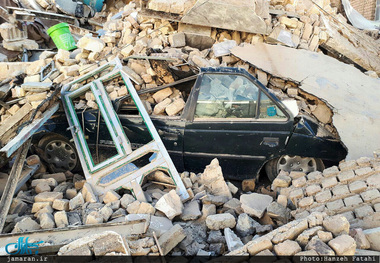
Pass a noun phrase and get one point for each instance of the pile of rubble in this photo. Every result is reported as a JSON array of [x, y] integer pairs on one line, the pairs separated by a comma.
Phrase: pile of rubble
[[161, 46], [215, 219], [210, 222]]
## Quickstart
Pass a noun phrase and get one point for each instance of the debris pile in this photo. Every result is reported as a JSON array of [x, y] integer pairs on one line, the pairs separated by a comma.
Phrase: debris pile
[[154, 49], [211, 222], [330, 208]]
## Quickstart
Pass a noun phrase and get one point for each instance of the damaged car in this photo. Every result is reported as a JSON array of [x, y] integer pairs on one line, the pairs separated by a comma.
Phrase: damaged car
[[228, 115]]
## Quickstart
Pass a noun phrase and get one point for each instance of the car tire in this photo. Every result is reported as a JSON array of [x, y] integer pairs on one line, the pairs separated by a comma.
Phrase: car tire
[[59, 153], [289, 163]]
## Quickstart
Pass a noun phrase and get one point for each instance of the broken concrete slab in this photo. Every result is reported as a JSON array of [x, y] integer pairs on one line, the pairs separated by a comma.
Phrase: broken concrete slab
[[222, 14], [25, 225], [255, 204], [223, 48], [99, 244], [170, 204], [328, 84], [213, 180], [191, 211], [160, 225], [233, 241], [171, 238], [246, 225]]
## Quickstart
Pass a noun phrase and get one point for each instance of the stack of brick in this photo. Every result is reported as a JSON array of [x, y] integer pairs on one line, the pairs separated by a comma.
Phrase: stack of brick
[[352, 190]]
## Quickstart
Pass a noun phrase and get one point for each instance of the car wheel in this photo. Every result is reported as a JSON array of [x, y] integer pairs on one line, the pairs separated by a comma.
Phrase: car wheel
[[59, 153], [289, 163]]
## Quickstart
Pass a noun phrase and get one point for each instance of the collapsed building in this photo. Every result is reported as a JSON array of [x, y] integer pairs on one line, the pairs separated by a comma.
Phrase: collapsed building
[[160, 43]]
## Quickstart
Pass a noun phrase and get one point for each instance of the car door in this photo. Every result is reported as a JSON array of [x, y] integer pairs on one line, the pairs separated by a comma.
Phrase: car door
[[170, 130], [234, 118]]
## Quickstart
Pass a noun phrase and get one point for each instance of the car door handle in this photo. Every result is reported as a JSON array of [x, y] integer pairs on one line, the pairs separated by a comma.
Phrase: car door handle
[[171, 136], [271, 141]]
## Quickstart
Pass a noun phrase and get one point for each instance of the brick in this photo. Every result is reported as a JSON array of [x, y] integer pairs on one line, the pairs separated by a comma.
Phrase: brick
[[357, 186], [295, 175], [37, 206], [377, 207], [370, 195], [340, 190], [311, 190], [343, 245], [48, 196], [320, 208], [47, 221], [353, 200], [305, 202], [300, 182], [347, 165], [61, 219], [363, 171], [288, 248], [110, 196], [323, 197], [301, 215], [258, 245], [335, 205], [282, 180], [314, 177], [42, 187], [61, 204], [374, 180], [297, 193], [364, 161], [346, 176], [363, 211], [177, 40], [59, 177], [349, 215], [332, 171], [329, 182]]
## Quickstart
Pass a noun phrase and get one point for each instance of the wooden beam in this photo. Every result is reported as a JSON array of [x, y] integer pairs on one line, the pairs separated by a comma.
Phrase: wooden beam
[[10, 188], [27, 132], [13, 120]]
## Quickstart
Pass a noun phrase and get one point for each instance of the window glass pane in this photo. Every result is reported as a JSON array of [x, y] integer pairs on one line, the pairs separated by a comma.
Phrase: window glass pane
[[226, 96], [268, 109]]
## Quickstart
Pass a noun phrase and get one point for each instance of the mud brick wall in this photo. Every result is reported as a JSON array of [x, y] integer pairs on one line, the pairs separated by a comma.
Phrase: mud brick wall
[[365, 7]]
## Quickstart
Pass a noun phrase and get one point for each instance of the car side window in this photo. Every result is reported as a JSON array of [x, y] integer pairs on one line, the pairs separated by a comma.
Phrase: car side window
[[268, 109], [226, 96]]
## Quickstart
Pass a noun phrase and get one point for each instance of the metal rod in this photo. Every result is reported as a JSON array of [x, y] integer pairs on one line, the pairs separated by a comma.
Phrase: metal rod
[[10, 187]]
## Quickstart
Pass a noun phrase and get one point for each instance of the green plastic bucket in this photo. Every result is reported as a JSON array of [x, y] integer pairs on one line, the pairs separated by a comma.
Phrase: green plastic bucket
[[61, 36]]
